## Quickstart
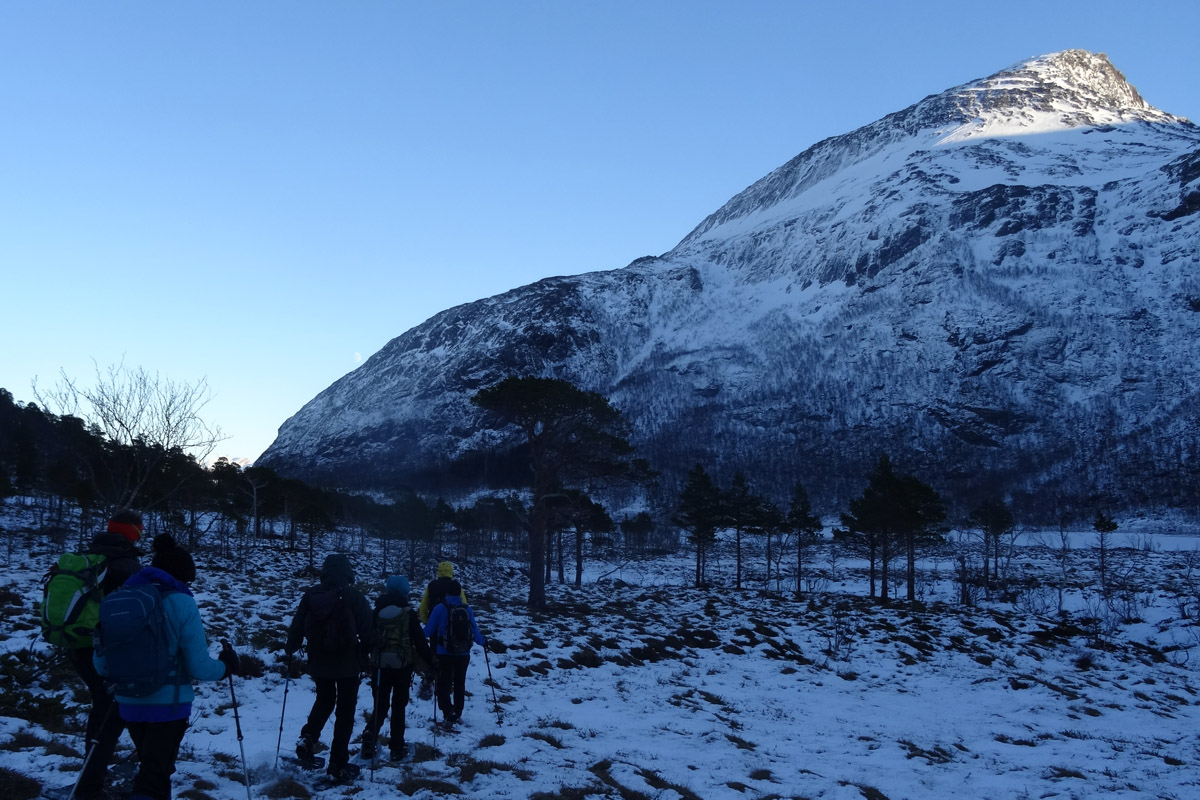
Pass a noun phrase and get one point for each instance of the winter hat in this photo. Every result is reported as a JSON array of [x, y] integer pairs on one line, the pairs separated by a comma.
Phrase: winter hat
[[453, 589], [338, 569], [445, 570], [398, 584], [173, 559], [128, 523]]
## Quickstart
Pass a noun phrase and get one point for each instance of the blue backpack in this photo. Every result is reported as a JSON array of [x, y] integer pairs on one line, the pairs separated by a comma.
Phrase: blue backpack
[[132, 638]]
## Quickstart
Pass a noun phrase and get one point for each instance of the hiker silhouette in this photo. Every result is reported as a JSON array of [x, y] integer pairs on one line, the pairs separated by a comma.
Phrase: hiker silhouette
[[334, 619]]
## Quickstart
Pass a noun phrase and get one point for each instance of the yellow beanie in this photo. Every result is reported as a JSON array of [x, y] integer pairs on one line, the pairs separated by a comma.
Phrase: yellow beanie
[[445, 570]]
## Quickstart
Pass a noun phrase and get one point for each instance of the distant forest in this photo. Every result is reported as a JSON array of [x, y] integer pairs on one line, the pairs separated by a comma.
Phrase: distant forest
[[73, 474]]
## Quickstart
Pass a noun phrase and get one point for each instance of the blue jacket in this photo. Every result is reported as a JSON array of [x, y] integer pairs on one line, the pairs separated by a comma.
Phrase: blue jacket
[[435, 629], [185, 637]]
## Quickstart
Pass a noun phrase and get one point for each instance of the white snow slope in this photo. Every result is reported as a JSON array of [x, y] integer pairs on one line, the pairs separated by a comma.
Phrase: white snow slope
[[637, 686]]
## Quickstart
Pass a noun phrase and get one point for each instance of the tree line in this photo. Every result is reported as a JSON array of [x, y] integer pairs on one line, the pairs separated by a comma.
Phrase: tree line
[[574, 444]]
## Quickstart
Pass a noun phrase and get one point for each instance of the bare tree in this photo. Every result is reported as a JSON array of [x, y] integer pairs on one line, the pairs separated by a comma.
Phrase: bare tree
[[1062, 556], [144, 417]]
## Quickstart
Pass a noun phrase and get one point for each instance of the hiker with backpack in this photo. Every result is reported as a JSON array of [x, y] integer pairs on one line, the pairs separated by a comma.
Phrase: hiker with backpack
[[70, 608], [400, 647], [151, 645], [434, 594], [335, 620], [436, 591], [452, 627]]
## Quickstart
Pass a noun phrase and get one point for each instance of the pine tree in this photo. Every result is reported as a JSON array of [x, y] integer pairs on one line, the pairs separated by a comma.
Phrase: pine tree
[[699, 513], [805, 524], [894, 512], [572, 436], [740, 507]]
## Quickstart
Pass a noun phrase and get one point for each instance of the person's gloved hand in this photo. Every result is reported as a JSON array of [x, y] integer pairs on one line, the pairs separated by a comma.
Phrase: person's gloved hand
[[229, 659]]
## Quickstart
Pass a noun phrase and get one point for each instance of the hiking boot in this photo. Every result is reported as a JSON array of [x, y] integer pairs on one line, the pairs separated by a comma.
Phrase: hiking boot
[[344, 773], [368, 746], [399, 751], [306, 750]]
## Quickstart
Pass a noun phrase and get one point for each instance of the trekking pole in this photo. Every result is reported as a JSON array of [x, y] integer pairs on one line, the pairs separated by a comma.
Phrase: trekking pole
[[92, 745], [435, 718], [237, 721], [375, 726], [495, 702], [287, 678]]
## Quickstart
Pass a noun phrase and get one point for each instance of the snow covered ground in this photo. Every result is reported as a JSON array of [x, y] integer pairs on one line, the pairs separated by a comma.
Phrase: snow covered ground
[[638, 686]]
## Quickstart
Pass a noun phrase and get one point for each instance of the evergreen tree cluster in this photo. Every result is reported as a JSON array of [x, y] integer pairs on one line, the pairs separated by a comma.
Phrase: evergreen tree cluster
[[572, 467]]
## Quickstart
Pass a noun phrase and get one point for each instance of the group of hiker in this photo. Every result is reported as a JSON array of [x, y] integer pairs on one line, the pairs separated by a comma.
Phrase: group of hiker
[[133, 634]]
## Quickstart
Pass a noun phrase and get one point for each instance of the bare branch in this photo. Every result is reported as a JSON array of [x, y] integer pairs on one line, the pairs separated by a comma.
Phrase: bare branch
[[137, 410]]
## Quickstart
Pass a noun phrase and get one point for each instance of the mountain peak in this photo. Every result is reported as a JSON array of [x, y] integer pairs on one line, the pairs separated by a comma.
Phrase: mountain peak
[[1060, 91], [1073, 90], [1073, 85]]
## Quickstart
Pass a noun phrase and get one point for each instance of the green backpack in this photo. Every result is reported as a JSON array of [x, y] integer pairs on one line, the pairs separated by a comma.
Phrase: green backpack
[[395, 650], [71, 596]]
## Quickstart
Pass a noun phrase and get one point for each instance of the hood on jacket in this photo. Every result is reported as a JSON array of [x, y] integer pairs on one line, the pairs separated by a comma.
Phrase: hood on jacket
[[160, 576], [445, 570], [337, 570], [391, 599], [113, 545], [453, 594]]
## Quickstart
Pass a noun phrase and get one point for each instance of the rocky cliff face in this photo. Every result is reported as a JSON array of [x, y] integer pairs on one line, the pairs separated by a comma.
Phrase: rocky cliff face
[[999, 285]]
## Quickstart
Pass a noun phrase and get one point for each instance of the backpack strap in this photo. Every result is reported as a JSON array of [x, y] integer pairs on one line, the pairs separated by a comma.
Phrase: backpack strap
[[163, 592]]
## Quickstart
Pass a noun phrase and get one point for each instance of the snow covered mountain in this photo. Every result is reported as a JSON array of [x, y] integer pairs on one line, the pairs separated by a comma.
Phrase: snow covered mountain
[[999, 285]]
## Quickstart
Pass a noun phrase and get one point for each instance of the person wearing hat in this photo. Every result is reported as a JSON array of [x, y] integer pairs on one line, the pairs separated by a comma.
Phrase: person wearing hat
[[158, 721], [434, 594], [400, 647], [335, 620], [118, 544], [451, 671]]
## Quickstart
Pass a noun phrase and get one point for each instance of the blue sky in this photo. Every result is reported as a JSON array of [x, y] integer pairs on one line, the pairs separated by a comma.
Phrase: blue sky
[[263, 194]]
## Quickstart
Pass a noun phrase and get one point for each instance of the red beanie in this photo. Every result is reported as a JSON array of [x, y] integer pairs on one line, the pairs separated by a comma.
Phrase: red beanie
[[128, 524]]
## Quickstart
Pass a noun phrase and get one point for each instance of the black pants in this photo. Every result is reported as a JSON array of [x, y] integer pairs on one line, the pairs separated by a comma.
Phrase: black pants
[[104, 725], [157, 746], [452, 684], [393, 689], [340, 695]]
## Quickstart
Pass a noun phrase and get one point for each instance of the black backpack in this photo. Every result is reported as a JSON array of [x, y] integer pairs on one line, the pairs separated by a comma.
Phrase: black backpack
[[459, 637], [330, 624]]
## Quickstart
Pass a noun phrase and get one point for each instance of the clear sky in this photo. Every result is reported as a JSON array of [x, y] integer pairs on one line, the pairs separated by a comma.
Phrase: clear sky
[[264, 193]]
